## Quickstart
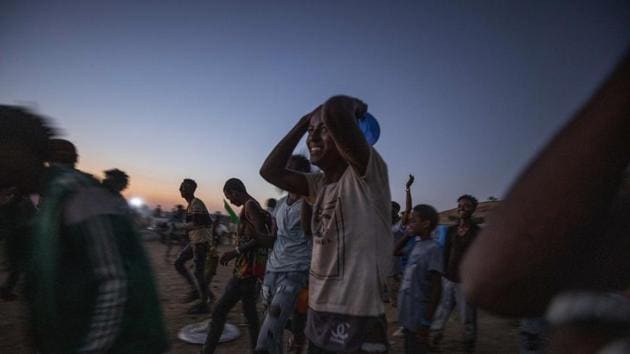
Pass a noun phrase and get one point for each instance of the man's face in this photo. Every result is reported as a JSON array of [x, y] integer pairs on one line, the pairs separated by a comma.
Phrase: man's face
[[20, 169], [322, 147], [233, 196], [418, 225], [465, 208], [185, 190]]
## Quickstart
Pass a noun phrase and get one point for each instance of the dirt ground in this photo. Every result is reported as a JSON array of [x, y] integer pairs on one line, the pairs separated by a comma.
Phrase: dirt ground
[[496, 335]]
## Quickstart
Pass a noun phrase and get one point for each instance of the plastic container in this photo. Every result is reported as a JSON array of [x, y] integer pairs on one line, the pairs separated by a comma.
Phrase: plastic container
[[370, 128]]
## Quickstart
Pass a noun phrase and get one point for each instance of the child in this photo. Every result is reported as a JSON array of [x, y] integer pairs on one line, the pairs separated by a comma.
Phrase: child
[[421, 286]]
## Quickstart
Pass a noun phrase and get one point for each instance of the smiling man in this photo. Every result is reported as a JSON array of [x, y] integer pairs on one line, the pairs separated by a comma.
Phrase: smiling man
[[351, 226]]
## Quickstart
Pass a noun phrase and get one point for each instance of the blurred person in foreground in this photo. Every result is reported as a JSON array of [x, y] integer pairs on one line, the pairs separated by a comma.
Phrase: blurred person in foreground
[[89, 285], [62, 152], [561, 240], [16, 216], [351, 226]]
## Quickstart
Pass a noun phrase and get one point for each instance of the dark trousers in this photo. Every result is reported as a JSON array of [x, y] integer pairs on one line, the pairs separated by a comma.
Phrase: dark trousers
[[314, 349], [297, 325], [198, 253], [244, 290], [415, 343]]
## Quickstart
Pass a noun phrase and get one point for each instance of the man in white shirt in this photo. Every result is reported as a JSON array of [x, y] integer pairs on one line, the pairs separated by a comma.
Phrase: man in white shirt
[[351, 226]]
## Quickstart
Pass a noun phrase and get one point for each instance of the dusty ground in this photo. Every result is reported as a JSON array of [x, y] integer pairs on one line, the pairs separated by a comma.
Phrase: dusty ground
[[496, 335]]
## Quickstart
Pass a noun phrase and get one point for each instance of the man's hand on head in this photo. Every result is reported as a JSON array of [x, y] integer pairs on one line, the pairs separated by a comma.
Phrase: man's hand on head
[[307, 116], [349, 103]]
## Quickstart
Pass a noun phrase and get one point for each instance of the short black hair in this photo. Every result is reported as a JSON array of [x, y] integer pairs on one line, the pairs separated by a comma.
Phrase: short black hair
[[469, 197], [62, 151], [20, 125], [190, 182], [271, 203], [117, 174], [395, 207], [301, 163], [234, 184], [427, 212]]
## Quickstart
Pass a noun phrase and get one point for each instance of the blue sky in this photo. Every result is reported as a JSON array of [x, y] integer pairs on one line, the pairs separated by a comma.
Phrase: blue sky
[[465, 92]]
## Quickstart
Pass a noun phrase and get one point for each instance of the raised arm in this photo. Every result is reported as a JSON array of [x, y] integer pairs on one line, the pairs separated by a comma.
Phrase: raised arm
[[340, 114], [408, 201], [399, 247], [546, 235], [275, 170]]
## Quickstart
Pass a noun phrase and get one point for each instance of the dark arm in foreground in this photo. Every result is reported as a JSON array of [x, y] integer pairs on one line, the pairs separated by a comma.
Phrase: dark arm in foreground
[[547, 237]]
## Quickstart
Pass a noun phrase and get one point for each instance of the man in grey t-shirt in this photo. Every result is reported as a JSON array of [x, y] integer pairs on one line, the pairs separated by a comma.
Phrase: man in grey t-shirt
[[287, 267]]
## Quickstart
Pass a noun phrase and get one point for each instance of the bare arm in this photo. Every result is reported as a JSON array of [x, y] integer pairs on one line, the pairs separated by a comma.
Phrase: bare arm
[[340, 115], [400, 244], [540, 241], [263, 236], [408, 201], [274, 168]]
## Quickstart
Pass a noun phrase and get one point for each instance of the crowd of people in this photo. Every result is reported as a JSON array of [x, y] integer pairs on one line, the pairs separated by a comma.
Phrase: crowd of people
[[325, 259]]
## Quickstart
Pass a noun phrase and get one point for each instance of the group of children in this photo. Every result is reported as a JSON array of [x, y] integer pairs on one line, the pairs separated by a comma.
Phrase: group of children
[[425, 283]]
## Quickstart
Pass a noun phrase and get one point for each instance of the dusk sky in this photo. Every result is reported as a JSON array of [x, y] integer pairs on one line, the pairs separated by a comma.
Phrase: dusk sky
[[466, 92]]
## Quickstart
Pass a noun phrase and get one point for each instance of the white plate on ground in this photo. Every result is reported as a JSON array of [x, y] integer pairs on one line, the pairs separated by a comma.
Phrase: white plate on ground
[[195, 333]]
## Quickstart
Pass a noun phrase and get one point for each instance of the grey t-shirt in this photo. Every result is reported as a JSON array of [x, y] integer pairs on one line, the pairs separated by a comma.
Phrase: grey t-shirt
[[292, 249], [415, 288]]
